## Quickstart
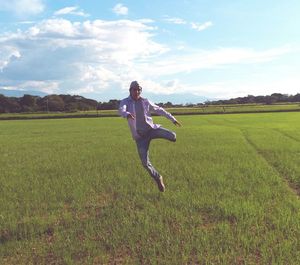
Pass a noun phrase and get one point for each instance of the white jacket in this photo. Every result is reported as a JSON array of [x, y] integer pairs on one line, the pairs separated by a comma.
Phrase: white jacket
[[127, 106]]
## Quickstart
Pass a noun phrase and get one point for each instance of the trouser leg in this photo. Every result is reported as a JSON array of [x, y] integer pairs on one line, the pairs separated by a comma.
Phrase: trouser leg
[[143, 150], [162, 133]]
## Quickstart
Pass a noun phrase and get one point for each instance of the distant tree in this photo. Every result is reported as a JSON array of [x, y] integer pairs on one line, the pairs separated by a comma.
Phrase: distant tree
[[112, 104], [67, 98], [91, 104], [2, 103], [296, 98], [168, 105], [259, 99], [189, 105], [56, 103], [52, 103], [233, 101], [9, 104], [250, 99], [280, 97], [83, 105], [270, 99], [69, 102], [28, 103]]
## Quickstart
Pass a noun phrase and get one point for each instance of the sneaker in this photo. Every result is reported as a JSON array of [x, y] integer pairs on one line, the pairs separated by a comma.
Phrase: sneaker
[[160, 184]]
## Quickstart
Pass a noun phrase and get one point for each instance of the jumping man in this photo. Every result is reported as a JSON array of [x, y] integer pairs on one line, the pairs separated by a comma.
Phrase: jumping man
[[137, 111]]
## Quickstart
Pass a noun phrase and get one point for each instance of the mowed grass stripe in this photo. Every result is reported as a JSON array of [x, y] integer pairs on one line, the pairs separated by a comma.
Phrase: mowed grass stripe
[[273, 163], [276, 137], [73, 191], [281, 152], [294, 135]]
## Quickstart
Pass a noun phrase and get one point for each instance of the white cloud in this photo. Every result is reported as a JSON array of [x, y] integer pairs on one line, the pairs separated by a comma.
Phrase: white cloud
[[210, 59], [46, 86], [7, 55], [22, 7], [145, 20], [26, 22], [200, 27], [175, 20], [120, 9], [196, 26], [94, 78], [54, 28], [79, 56], [71, 10]]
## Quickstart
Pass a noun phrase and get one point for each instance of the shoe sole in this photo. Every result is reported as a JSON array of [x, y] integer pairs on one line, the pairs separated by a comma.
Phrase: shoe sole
[[160, 184]]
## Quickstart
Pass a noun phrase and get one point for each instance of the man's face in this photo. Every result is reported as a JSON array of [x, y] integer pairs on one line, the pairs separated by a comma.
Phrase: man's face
[[135, 92]]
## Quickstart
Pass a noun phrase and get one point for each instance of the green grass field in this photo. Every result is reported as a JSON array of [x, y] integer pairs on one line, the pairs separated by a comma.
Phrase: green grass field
[[73, 191]]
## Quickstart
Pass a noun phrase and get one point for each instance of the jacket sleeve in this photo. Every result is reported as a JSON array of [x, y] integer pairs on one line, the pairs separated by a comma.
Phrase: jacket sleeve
[[123, 109], [160, 111]]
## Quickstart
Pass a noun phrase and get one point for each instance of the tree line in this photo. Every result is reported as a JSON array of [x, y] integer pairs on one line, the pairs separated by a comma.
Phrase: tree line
[[63, 103], [73, 103], [270, 99]]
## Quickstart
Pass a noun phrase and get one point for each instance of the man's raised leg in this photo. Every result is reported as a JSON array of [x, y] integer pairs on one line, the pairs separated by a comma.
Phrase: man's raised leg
[[163, 134]]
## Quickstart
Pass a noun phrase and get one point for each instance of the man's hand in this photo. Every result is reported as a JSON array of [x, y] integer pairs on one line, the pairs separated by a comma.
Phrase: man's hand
[[177, 123], [130, 116]]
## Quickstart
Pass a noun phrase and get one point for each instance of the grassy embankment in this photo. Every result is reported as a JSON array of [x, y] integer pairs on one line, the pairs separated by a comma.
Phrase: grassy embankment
[[209, 109], [73, 191]]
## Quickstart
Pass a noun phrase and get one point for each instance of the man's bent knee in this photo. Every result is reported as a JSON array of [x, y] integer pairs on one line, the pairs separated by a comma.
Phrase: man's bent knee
[[145, 164]]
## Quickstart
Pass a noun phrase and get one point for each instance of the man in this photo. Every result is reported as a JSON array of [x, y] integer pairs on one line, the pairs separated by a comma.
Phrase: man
[[137, 111]]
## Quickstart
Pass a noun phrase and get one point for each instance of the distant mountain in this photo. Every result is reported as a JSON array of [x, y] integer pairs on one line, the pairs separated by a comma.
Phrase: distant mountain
[[21, 93], [176, 98], [157, 98]]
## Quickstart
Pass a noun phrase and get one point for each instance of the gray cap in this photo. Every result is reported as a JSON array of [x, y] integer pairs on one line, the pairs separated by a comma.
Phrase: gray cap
[[134, 84]]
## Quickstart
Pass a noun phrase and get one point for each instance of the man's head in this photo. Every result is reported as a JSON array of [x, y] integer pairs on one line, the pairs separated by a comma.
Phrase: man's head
[[135, 90]]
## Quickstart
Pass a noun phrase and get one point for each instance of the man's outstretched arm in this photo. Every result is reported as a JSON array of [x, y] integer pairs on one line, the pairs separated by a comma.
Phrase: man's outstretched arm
[[162, 112]]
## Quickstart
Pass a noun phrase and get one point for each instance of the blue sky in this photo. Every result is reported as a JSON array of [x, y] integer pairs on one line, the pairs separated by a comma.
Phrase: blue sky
[[179, 51]]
